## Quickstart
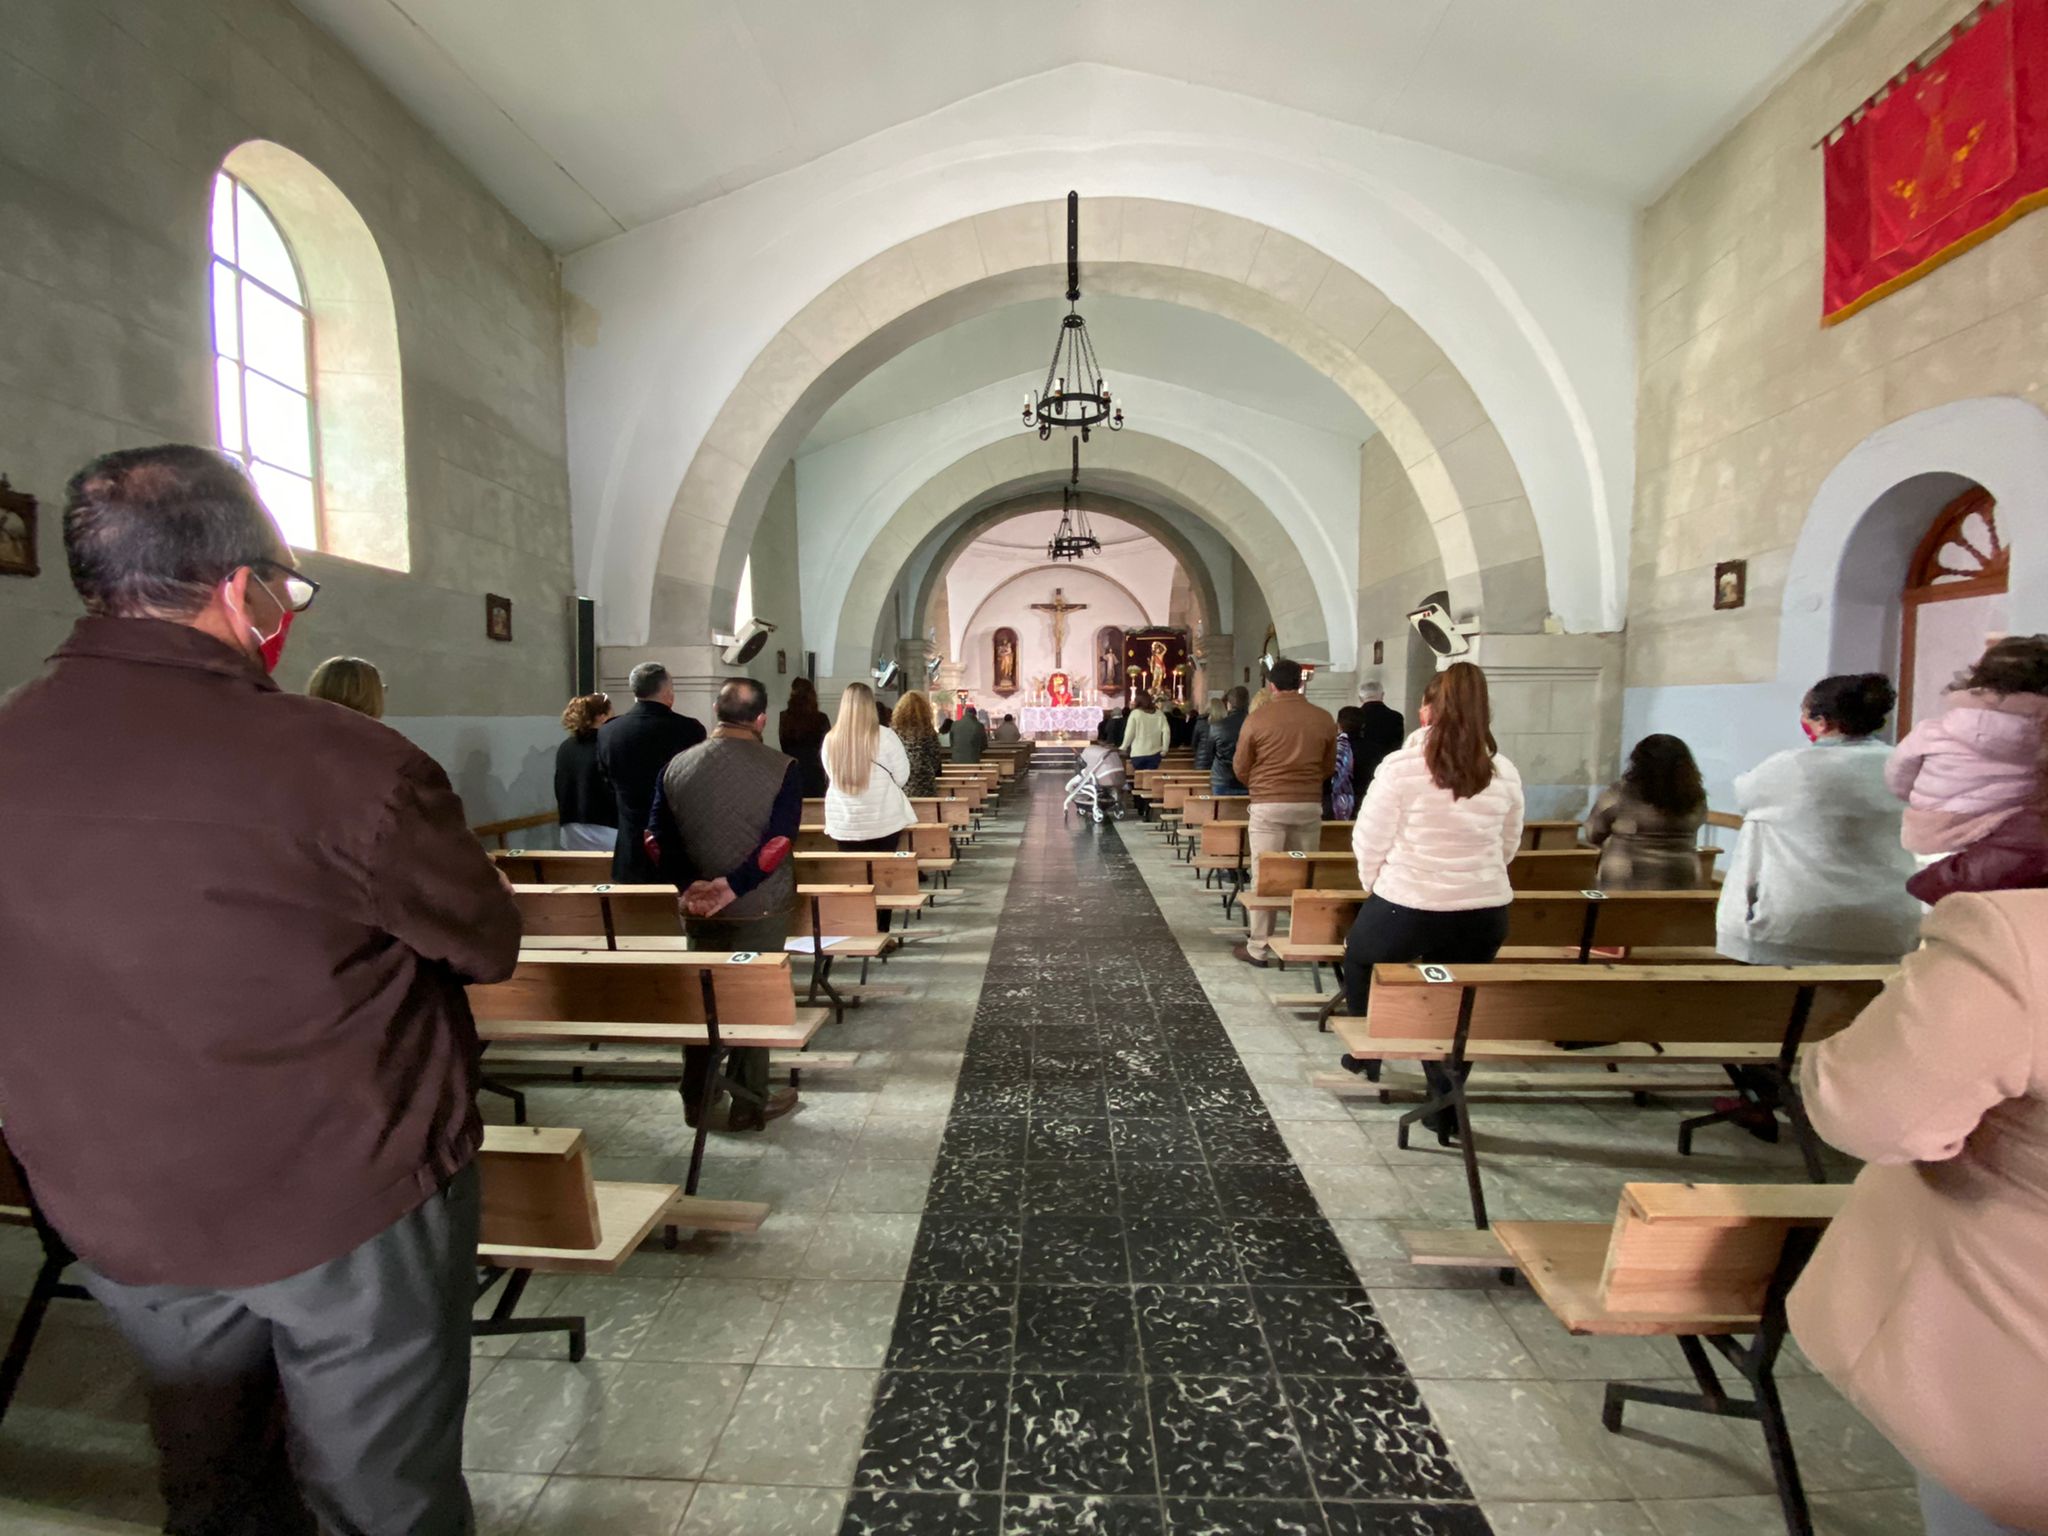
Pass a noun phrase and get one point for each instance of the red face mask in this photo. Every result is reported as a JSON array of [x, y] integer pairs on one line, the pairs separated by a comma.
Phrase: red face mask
[[271, 649]]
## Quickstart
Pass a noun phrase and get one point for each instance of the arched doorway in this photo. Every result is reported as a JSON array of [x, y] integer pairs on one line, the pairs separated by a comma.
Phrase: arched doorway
[[1955, 596]]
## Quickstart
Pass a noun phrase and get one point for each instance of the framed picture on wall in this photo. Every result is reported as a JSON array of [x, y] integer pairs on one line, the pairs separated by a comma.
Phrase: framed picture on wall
[[497, 616], [1379, 653], [1731, 584], [17, 532]]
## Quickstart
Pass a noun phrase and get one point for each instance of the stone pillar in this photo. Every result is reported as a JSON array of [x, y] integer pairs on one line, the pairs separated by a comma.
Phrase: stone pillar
[[1215, 660]]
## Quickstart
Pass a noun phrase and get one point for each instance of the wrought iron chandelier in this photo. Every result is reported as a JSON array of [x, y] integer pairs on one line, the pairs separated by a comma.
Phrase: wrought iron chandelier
[[1075, 537], [1075, 395]]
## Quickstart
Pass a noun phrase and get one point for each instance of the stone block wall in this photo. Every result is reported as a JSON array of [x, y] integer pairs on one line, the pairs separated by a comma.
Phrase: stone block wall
[[114, 117]]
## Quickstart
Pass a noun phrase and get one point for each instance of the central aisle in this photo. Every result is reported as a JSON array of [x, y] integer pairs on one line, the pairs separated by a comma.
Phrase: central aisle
[[1126, 1313]]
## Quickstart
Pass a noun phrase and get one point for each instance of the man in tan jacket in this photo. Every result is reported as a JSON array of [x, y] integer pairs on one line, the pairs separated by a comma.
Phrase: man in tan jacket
[[1285, 753]]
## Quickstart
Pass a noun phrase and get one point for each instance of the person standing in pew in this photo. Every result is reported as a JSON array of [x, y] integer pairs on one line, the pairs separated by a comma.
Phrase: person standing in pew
[[1817, 875], [1285, 753], [1647, 823], [633, 749], [1379, 735], [724, 821], [585, 807], [1926, 1303], [1222, 743], [236, 1061], [1440, 822]]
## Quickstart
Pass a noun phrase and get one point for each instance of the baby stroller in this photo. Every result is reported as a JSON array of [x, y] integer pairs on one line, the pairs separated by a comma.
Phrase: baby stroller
[[1097, 790]]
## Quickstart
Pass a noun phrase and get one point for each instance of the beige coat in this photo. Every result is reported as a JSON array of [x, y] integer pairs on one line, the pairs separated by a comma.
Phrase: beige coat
[[1927, 1302]]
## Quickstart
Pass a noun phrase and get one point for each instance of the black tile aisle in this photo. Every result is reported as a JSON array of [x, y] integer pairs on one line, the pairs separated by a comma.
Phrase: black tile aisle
[[1126, 1314]]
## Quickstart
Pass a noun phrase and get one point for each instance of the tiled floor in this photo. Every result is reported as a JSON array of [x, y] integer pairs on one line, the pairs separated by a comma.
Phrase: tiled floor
[[1088, 1286]]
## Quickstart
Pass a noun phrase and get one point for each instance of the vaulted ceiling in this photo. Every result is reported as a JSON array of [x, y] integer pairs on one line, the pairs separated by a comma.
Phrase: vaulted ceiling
[[595, 117]]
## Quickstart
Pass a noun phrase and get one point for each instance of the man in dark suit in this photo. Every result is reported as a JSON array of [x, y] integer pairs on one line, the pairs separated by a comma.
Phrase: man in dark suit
[[633, 749], [1381, 732]]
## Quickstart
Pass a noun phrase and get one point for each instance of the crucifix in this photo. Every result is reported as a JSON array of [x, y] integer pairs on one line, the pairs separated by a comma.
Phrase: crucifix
[[1059, 608]]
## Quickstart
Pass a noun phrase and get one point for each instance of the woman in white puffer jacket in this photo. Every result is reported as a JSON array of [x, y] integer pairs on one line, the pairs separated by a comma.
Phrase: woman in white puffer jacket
[[866, 769], [1440, 821]]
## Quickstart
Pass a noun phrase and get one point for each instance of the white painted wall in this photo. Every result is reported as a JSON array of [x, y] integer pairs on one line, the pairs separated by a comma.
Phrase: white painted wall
[[1134, 562], [1526, 285], [848, 491], [1010, 604]]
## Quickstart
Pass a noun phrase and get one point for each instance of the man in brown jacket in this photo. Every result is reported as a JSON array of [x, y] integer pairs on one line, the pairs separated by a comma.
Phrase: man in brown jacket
[[1286, 751], [236, 1060]]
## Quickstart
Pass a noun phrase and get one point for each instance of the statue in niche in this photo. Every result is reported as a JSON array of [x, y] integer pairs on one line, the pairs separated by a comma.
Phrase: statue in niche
[[1156, 678], [1005, 661], [1109, 665]]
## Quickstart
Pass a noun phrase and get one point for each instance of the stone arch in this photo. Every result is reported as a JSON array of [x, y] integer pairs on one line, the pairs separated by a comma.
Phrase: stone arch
[[1172, 476], [358, 390], [1463, 476], [1872, 509], [975, 520]]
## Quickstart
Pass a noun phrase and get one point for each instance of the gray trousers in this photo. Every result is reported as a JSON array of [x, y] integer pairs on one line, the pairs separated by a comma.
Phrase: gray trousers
[[331, 1400], [745, 1065], [1946, 1515]]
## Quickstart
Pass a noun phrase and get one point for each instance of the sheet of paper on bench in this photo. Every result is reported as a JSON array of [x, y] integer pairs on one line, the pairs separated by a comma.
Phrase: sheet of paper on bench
[[806, 946]]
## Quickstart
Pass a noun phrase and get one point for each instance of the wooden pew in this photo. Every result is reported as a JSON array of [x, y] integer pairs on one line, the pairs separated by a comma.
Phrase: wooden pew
[[932, 842], [569, 998], [553, 866], [1703, 1264], [893, 877], [542, 1212], [1277, 876], [1550, 834], [1716, 1015], [836, 922]]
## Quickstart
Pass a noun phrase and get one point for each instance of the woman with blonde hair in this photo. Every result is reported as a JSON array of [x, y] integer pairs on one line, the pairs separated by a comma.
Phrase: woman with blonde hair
[[1441, 820], [585, 805], [912, 723], [866, 771], [351, 682]]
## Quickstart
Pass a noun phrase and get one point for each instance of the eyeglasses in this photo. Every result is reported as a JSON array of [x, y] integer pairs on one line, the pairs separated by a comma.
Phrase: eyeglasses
[[299, 588]]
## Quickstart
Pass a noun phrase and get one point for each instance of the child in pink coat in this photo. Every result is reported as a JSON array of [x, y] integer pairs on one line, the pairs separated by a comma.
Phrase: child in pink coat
[[1971, 777]]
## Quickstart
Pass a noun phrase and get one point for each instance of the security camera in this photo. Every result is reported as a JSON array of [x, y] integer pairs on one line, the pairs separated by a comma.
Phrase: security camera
[[1439, 631], [746, 645]]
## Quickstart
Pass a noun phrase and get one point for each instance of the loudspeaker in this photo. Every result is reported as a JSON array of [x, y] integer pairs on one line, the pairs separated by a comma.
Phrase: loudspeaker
[[585, 615]]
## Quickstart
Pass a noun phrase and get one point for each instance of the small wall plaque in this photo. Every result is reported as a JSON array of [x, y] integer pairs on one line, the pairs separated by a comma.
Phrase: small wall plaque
[[1379, 653], [497, 616], [1731, 584], [17, 532]]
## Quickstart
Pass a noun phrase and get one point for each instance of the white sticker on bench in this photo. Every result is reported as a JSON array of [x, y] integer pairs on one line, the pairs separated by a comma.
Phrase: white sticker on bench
[[1594, 895], [1296, 853], [1437, 973], [905, 853], [742, 957], [601, 888]]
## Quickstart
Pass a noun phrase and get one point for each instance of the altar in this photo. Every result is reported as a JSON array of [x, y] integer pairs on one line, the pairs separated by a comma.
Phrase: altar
[[1060, 719]]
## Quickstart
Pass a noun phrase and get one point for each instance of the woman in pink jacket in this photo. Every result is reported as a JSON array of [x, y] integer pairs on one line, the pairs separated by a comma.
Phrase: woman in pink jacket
[[1440, 821], [1927, 1302], [1971, 777]]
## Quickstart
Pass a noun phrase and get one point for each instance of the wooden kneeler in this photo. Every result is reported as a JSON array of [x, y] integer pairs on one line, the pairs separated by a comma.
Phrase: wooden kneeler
[[1704, 1264]]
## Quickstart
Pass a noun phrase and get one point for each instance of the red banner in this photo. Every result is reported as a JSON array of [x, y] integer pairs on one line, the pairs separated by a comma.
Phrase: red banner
[[1956, 152]]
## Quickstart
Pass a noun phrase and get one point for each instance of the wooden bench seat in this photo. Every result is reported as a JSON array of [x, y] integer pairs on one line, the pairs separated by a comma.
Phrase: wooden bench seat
[[1702, 1264], [720, 1001], [552, 866], [1721, 1015]]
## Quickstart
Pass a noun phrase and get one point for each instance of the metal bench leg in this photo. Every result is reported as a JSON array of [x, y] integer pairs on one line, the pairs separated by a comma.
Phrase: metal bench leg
[[491, 1085], [46, 1289], [501, 1321]]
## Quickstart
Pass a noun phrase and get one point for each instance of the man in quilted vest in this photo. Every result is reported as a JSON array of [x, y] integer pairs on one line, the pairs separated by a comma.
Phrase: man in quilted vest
[[725, 820]]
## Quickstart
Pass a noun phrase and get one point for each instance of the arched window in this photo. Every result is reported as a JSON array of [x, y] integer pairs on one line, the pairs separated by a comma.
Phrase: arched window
[[1955, 598], [308, 388], [263, 359]]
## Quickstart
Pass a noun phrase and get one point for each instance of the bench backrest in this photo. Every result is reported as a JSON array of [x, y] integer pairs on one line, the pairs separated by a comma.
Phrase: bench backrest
[[1706, 1252], [1200, 809], [1225, 839], [1611, 1003], [1278, 874], [638, 986], [1549, 834], [537, 1188], [1542, 919], [553, 866], [891, 874], [834, 911], [931, 840]]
